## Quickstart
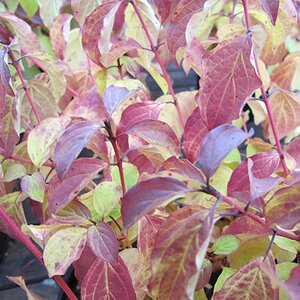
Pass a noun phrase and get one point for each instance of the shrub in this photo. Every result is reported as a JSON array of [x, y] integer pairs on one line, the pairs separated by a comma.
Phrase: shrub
[[178, 200]]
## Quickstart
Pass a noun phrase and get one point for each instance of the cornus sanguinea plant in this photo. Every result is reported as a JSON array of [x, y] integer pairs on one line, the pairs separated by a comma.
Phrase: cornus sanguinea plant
[[179, 199]]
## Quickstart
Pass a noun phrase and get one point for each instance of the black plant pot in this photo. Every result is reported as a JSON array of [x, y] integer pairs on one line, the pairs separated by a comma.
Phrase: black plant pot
[[3, 245]]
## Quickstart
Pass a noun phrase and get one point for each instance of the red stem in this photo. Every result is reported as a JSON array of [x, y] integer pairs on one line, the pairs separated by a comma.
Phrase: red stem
[[265, 97], [20, 74], [259, 220], [41, 66], [35, 251], [163, 69], [25, 160]]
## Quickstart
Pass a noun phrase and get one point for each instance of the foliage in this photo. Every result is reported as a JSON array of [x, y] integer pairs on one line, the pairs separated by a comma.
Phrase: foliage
[[177, 200]]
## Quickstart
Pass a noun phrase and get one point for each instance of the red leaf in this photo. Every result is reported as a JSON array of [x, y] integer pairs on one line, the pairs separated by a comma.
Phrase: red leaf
[[228, 79], [293, 283], [294, 150], [97, 31], [147, 195], [156, 132], [163, 8], [83, 264], [60, 25], [180, 247], [182, 167], [89, 106], [103, 242], [138, 112], [249, 280], [140, 161], [107, 281], [98, 146], [283, 208], [217, 145], [264, 165], [194, 133], [271, 7], [245, 225], [82, 170], [71, 143], [179, 20]]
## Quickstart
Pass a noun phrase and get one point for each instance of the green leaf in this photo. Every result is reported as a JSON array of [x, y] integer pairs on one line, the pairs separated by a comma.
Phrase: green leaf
[[29, 6], [226, 273], [105, 197], [225, 245], [287, 244], [49, 9], [42, 137], [12, 170], [34, 186], [131, 175], [55, 73], [64, 247]]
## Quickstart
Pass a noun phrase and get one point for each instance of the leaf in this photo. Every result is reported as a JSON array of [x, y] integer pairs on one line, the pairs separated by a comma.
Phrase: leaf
[[89, 106], [42, 137], [43, 98], [98, 146], [217, 145], [225, 70], [182, 167], [59, 31], [263, 165], [13, 171], [114, 96], [105, 197], [131, 175], [22, 30], [292, 283], [147, 195], [180, 17], [9, 133], [294, 150], [194, 133], [29, 6], [137, 112], [226, 273], [249, 282], [83, 8], [284, 207], [12, 204], [71, 143], [56, 75], [97, 30], [82, 170], [5, 75], [19, 280], [271, 7], [163, 8], [157, 133], [179, 251], [107, 281], [64, 247], [49, 9], [285, 107], [225, 245], [34, 186], [103, 242]]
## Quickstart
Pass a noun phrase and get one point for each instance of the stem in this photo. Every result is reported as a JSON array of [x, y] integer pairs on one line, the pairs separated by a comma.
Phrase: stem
[[41, 66], [259, 220], [35, 251], [26, 160], [265, 97], [158, 58], [271, 243], [120, 69], [17, 67]]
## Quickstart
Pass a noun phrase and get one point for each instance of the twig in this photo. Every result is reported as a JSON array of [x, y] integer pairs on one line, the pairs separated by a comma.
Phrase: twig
[[158, 58], [35, 251], [17, 67], [265, 97]]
